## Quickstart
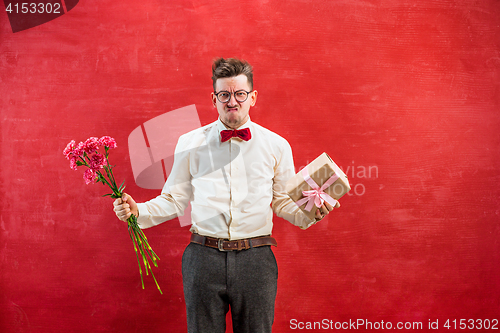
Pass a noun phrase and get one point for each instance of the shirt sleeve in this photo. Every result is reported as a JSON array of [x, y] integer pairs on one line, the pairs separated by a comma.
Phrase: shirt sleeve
[[176, 192], [282, 204]]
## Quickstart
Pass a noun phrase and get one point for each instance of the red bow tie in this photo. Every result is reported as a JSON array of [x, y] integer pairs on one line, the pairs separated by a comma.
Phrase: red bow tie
[[243, 134]]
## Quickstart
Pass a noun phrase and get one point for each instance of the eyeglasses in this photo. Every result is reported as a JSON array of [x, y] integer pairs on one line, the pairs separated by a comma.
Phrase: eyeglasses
[[240, 96]]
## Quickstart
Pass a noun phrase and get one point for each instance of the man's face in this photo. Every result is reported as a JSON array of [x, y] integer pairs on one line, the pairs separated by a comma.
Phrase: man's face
[[234, 113]]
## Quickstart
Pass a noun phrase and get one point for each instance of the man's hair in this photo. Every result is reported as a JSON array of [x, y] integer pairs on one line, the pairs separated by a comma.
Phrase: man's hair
[[230, 67]]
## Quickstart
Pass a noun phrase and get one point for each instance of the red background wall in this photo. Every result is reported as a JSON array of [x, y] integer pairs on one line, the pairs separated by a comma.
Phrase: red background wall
[[406, 89]]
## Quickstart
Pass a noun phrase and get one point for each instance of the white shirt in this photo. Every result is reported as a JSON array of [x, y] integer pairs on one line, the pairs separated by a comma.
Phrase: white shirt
[[231, 185]]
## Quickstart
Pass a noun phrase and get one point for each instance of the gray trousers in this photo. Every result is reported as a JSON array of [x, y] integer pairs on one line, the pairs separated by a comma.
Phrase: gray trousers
[[244, 281]]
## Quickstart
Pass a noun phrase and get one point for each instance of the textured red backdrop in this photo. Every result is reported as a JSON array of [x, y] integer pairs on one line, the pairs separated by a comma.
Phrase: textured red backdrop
[[404, 95]]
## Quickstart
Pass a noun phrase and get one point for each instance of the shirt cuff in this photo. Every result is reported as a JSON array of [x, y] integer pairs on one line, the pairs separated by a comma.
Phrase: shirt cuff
[[144, 218]]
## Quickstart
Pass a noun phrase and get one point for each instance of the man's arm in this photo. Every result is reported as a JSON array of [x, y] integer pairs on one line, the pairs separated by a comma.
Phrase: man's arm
[[282, 205]]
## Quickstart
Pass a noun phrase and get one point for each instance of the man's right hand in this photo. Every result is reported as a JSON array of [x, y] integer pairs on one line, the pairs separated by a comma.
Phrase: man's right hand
[[125, 206]]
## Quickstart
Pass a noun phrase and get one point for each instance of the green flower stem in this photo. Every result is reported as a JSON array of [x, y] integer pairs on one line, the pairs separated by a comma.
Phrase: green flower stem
[[148, 250], [142, 247], [137, 255], [109, 168]]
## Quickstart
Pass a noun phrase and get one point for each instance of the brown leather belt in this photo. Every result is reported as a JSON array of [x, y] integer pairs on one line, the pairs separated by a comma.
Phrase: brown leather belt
[[234, 245]]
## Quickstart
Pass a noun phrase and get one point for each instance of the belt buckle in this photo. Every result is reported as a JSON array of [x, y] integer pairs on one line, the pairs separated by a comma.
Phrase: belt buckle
[[220, 245]]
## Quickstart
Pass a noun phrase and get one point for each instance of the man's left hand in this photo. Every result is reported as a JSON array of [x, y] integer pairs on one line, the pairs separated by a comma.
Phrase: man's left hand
[[324, 210]]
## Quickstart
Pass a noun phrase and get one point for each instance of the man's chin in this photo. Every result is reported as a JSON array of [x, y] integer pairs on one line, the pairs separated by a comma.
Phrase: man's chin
[[232, 122]]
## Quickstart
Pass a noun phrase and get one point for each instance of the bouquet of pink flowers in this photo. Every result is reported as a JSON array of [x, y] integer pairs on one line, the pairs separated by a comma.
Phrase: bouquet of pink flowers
[[100, 171]]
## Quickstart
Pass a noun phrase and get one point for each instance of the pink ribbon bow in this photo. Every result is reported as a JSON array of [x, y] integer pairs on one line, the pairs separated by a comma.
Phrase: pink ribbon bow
[[316, 196]]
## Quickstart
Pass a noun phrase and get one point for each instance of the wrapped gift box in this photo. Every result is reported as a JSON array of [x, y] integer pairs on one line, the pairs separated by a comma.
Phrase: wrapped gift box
[[327, 181]]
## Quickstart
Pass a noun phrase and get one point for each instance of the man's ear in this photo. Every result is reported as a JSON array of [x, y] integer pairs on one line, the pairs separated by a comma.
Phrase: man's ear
[[253, 98], [214, 100]]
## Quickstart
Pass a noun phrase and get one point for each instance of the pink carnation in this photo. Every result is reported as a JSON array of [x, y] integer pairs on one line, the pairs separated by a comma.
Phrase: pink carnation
[[69, 148], [72, 163], [107, 141], [72, 153], [90, 176], [97, 161], [91, 145], [78, 151]]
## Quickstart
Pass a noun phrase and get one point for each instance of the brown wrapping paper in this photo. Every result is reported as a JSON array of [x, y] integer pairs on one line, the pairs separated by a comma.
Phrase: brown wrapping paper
[[320, 170]]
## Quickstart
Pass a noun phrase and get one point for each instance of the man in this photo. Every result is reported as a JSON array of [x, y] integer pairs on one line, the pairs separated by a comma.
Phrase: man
[[232, 171]]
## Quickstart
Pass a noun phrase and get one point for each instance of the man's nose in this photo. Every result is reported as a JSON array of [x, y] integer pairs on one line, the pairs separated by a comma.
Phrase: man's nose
[[232, 100]]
